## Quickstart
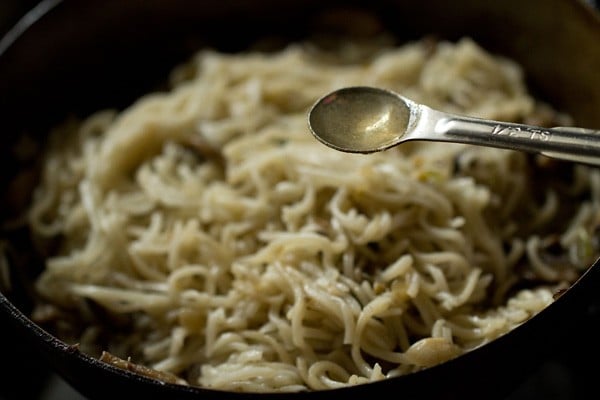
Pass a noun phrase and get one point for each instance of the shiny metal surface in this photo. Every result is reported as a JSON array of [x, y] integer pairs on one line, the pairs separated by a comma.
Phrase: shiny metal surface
[[366, 119]]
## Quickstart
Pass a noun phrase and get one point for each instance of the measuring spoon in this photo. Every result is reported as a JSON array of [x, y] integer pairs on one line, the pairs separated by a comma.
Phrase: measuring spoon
[[363, 119]]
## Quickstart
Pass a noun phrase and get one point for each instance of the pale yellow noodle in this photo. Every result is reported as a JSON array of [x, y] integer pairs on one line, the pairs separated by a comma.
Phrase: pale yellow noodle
[[233, 249]]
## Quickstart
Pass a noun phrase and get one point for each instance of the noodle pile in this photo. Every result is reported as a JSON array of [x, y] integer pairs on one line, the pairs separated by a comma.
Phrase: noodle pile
[[203, 232]]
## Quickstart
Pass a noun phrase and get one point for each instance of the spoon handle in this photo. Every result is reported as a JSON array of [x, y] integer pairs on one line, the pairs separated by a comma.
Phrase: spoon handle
[[566, 143]]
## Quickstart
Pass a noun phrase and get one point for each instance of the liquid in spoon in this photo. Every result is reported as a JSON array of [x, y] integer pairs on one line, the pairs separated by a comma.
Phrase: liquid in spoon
[[365, 120]]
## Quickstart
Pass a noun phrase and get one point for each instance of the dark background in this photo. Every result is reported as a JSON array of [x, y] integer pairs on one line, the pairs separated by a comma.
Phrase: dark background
[[570, 375]]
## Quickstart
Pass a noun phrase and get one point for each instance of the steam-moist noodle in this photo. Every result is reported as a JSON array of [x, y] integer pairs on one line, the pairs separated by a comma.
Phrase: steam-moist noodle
[[205, 233]]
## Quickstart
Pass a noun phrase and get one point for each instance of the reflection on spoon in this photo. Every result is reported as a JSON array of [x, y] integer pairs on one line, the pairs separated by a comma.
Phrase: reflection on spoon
[[364, 119]]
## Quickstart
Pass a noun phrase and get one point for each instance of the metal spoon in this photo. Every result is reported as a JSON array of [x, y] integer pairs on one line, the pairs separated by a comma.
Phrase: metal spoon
[[364, 119]]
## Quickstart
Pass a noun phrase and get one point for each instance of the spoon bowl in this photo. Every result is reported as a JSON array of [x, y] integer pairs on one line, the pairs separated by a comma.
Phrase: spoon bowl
[[363, 119]]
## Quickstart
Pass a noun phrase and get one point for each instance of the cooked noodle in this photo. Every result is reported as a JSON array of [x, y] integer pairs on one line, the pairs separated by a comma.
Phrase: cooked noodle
[[205, 233]]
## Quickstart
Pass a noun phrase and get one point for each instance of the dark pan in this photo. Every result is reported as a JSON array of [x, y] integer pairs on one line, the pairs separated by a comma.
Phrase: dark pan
[[127, 48]]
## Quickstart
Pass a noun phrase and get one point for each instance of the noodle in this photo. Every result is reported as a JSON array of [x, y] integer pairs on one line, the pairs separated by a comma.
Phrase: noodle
[[204, 233]]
